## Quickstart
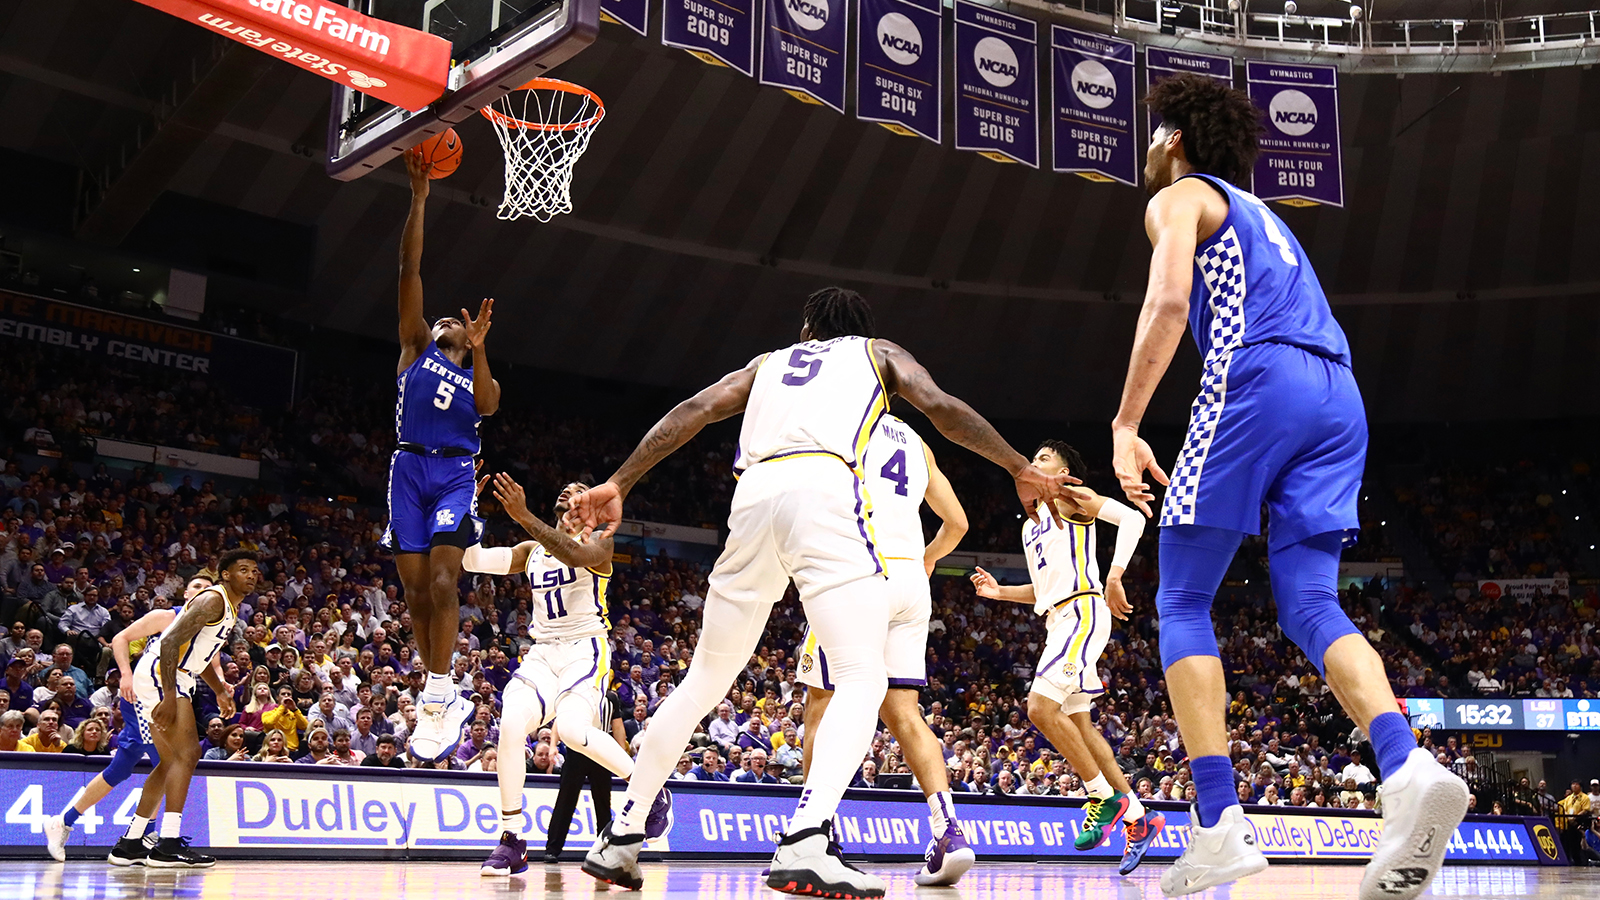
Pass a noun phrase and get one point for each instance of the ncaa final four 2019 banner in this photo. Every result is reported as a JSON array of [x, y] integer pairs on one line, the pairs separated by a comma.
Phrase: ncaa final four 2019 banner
[[1091, 106], [997, 91], [634, 14], [1299, 162], [1159, 62], [898, 71], [802, 49], [716, 31]]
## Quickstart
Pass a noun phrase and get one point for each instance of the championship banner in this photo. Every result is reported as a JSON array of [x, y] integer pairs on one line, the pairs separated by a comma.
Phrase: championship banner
[[1091, 106], [997, 90], [720, 32], [802, 49], [396, 64], [1299, 163], [634, 14], [1159, 62], [899, 79]]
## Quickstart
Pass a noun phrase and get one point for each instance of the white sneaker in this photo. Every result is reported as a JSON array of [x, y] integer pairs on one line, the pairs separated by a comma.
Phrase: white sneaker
[[1224, 852], [810, 862], [1423, 802], [438, 731], [55, 837]]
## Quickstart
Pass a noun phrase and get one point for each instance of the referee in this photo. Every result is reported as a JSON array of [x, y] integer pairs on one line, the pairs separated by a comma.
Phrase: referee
[[578, 769]]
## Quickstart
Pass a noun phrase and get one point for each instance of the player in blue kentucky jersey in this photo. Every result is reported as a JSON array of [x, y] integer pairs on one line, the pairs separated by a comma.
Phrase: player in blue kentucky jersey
[[1278, 420], [432, 498]]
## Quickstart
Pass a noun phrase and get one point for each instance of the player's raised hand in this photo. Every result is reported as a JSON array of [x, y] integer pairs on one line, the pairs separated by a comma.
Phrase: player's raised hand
[[417, 170], [165, 714], [984, 584], [1033, 486], [126, 690], [482, 481], [511, 496], [598, 508], [478, 329], [1131, 457], [225, 705]]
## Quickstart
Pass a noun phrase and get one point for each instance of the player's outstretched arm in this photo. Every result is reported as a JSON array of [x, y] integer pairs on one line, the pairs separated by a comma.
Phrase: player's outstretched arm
[[944, 503], [1130, 527], [591, 554], [207, 606], [497, 560], [414, 331], [986, 586], [150, 623], [485, 390]]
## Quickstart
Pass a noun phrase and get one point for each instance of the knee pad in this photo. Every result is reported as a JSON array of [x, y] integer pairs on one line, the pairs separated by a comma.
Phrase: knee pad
[[1193, 560], [123, 761], [1305, 584]]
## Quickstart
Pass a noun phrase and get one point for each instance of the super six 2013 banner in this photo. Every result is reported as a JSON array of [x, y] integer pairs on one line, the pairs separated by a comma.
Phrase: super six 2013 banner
[[717, 31], [1299, 162], [802, 49], [899, 46], [1091, 106], [996, 84]]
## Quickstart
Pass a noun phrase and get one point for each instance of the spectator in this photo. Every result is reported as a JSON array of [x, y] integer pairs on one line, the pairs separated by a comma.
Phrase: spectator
[[231, 747], [788, 758], [317, 746], [754, 736], [11, 724], [477, 741], [724, 732], [90, 740], [1356, 771], [543, 761], [869, 776], [386, 754], [287, 719], [757, 772], [46, 736], [340, 753], [274, 748], [710, 767], [683, 771], [62, 660]]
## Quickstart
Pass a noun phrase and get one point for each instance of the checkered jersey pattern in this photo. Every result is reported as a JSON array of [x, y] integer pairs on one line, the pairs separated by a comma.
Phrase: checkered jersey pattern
[[1221, 264]]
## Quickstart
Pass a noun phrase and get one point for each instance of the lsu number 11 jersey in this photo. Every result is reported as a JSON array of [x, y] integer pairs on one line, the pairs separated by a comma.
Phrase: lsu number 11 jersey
[[568, 603], [819, 397], [897, 479], [1061, 560], [194, 657], [434, 406]]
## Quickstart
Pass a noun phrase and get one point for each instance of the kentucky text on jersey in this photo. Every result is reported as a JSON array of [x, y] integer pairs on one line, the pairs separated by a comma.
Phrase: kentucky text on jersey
[[435, 406]]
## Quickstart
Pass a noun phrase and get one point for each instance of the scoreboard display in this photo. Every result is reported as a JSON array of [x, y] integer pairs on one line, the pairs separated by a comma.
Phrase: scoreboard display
[[1504, 715]]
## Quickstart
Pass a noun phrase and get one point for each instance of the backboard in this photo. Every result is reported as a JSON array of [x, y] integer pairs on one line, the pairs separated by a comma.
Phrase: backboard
[[496, 45]]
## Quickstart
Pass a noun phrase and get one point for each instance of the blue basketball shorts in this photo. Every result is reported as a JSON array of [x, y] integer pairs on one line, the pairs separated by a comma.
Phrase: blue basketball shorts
[[1272, 424], [429, 497], [129, 749]]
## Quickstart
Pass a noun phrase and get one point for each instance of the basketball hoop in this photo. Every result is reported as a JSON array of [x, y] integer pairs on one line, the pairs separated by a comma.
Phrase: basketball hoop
[[544, 126]]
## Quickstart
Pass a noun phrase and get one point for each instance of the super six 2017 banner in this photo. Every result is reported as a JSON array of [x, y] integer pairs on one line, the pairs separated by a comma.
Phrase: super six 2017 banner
[[997, 94], [1091, 106], [802, 49], [1299, 162], [717, 31], [899, 46]]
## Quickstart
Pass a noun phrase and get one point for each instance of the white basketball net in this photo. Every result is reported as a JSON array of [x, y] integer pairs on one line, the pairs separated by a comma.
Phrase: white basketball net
[[544, 127]]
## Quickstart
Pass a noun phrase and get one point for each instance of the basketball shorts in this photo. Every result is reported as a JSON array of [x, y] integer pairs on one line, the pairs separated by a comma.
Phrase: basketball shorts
[[431, 501], [906, 653], [1077, 633], [1272, 424], [147, 693], [557, 669], [130, 739]]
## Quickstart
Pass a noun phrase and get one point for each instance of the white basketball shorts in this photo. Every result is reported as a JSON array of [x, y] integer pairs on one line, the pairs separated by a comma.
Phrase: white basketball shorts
[[905, 654], [147, 691], [1068, 672], [555, 669]]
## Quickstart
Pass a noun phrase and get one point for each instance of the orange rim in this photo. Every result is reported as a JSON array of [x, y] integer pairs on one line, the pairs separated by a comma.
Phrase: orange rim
[[549, 84]]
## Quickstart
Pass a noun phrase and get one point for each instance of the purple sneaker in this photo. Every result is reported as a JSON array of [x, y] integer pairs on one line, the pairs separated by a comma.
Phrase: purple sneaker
[[948, 858], [510, 857], [659, 821]]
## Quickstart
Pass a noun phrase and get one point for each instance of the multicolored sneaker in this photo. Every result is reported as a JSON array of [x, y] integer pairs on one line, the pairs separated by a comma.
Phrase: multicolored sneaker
[[1139, 835], [659, 820], [948, 858], [1098, 815], [510, 857]]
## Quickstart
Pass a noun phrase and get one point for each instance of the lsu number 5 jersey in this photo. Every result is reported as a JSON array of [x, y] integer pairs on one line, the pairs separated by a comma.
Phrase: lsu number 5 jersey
[[568, 603], [813, 397]]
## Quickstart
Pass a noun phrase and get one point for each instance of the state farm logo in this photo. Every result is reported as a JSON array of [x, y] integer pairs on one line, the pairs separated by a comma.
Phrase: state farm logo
[[363, 80], [1094, 84], [900, 39], [808, 14], [997, 62], [1292, 112]]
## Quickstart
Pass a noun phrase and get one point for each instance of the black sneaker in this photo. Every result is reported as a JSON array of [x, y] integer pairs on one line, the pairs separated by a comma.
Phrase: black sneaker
[[174, 853], [552, 859], [128, 852]]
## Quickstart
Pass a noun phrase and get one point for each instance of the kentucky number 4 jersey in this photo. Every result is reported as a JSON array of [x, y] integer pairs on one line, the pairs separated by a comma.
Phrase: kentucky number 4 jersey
[[1253, 285], [568, 603], [813, 397], [897, 479], [434, 406], [1061, 560], [195, 657]]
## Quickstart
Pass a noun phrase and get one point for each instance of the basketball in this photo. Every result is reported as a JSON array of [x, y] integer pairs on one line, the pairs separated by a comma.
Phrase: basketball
[[443, 152]]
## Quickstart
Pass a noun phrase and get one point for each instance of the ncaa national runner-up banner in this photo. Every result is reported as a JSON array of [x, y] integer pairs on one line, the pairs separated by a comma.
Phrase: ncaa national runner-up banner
[[1159, 62], [716, 31], [997, 90], [898, 72], [634, 14], [1299, 162], [802, 49], [1091, 106]]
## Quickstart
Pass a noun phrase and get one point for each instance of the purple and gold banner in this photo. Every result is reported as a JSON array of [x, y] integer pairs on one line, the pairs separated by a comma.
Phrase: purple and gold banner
[[720, 32], [1299, 163], [997, 84], [898, 74], [1159, 62], [1091, 106], [802, 49], [634, 14]]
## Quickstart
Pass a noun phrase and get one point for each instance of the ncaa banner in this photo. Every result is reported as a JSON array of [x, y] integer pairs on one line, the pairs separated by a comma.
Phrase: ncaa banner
[[899, 78], [1299, 161], [802, 49], [997, 91], [720, 32], [1159, 62], [634, 14], [1091, 106]]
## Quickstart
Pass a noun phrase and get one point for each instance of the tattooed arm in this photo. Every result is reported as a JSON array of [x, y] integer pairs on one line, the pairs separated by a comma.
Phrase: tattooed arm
[[208, 606]]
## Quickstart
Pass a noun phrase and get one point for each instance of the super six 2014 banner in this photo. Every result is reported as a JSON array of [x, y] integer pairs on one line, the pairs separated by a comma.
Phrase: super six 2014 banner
[[802, 49], [1299, 162], [1159, 62], [1091, 106], [898, 71], [997, 91], [635, 14], [717, 31]]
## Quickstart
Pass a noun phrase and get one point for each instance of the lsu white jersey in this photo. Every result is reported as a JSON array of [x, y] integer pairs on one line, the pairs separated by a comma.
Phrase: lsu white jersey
[[195, 657], [568, 603], [813, 397], [897, 479], [1061, 560]]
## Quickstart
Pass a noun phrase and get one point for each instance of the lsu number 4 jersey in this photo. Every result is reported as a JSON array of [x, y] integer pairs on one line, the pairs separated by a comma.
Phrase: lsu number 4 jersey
[[813, 397], [568, 603]]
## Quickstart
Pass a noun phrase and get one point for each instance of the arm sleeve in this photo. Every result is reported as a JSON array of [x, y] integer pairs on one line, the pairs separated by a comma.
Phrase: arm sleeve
[[1130, 526], [487, 560]]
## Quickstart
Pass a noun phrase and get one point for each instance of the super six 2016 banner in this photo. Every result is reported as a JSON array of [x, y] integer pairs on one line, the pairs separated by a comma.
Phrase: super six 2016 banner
[[1091, 106], [802, 49], [996, 73], [1299, 161]]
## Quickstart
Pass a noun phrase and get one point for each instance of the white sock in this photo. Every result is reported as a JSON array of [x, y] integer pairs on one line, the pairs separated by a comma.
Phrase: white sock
[[1098, 787], [512, 822], [941, 807], [1135, 809], [136, 827], [171, 825], [437, 688]]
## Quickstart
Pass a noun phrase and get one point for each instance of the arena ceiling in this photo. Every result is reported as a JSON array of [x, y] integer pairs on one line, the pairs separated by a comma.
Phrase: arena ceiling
[[1464, 266]]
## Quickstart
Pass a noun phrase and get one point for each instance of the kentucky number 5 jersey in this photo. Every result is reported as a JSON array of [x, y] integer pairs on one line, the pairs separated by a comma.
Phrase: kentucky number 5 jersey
[[568, 603], [434, 406], [195, 657], [897, 479], [813, 397], [1061, 560]]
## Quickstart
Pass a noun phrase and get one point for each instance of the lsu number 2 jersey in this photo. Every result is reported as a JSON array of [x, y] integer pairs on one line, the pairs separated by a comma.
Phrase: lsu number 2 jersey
[[569, 604], [1067, 590], [1061, 559], [814, 397]]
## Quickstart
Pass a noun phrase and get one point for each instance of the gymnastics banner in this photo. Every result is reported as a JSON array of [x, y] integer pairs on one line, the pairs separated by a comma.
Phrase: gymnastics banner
[[1299, 163], [997, 91], [802, 49], [1159, 62], [898, 73], [635, 14], [720, 32], [1091, 106]]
